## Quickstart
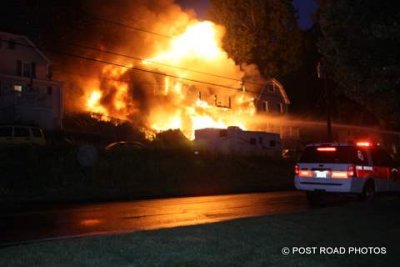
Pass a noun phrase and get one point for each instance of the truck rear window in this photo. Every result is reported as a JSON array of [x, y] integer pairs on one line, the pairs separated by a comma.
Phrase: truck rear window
[[342, 154]]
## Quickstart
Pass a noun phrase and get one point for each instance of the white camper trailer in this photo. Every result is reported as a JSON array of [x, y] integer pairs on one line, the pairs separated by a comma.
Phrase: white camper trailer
[[236, 141]]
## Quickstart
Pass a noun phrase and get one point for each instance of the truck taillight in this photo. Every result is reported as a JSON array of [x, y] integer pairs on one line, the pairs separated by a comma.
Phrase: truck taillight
[[351, 171], [296, 170], [305, 173], [340, 174]]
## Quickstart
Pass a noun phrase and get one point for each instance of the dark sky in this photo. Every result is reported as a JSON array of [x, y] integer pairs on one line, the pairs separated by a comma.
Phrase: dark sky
[[304, 7]]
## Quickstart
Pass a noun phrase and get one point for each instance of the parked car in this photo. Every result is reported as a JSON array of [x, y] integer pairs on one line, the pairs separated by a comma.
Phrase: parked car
[[124, 146], [362, 169], [60, 138], [290, 153], [21, 134]]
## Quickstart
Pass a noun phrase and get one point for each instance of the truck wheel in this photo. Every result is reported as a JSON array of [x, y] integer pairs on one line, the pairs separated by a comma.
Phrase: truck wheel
[[314, 198], [368, 193]]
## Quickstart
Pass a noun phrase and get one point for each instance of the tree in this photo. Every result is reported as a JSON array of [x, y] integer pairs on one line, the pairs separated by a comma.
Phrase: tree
[[360, 44], [261, 32]]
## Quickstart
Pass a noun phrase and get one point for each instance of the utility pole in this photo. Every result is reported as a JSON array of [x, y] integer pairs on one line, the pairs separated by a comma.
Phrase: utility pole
[[328, 97]]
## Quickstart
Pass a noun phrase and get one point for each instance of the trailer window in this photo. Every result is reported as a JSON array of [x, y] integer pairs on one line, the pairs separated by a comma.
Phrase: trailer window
[[21, 132], [5, 131], [36, 132]]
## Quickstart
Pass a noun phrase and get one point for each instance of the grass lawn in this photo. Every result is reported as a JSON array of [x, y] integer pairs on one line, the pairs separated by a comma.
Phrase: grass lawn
[[245, 242]]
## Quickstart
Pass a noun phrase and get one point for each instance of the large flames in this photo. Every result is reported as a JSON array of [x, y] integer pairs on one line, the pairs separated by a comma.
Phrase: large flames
[[197, 86], [199, 42]]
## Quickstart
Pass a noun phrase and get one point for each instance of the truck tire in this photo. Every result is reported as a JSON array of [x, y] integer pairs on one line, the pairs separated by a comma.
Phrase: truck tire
[[368, 193]]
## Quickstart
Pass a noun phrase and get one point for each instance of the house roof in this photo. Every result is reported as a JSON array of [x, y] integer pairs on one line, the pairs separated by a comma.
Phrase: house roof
[[259, 88], [282, 91], [29, 42]]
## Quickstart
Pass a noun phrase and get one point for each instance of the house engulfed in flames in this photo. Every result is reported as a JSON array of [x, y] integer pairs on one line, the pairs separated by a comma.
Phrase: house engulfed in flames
[[190, 84]]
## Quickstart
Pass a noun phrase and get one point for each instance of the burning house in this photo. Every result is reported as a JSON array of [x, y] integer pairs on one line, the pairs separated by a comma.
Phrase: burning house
[[188, 83], [27, 94]]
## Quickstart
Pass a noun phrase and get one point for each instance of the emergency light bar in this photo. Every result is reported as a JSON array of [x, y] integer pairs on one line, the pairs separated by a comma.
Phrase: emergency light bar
[[364, 144]]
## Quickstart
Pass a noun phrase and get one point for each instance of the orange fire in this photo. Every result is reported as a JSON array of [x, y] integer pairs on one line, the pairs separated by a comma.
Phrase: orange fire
[[93, 103], [201, 87], [118, 106], [199, 42]]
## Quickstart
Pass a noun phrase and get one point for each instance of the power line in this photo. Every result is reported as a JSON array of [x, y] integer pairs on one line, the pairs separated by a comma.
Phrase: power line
[[120, 24], [155, 62], [91, 16], [131, 67], [91, 76], [139, 69]]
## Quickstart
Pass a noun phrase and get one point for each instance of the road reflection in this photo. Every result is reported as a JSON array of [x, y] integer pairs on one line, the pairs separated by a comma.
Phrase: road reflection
[[131, 216]]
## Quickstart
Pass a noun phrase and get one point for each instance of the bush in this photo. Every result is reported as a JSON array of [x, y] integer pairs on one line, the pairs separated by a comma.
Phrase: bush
[[48, 174]]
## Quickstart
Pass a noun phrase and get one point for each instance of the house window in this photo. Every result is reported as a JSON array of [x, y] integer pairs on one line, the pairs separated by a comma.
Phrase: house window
[[19, 68], [265, 106], [260, 140], [11, 44], [18, 89], [253, 141], [27, 70], [33, 70], [219, 102], [42, 90], [271, 87], [280, 108], [49, 90], [272, 143]]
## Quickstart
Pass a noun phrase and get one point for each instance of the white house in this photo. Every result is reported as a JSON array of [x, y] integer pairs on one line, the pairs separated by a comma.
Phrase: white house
[[236, 141], [27, 93]]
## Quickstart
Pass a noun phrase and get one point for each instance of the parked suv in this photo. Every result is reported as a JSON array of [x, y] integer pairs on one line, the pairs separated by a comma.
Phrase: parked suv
[[360, 168], [20, 134]]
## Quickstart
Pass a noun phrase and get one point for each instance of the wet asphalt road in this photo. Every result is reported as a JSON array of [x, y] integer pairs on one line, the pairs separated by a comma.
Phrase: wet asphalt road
[[121, 217]]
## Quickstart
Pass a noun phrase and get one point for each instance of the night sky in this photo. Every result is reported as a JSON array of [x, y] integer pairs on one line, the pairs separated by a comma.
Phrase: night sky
[[305, 9]]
